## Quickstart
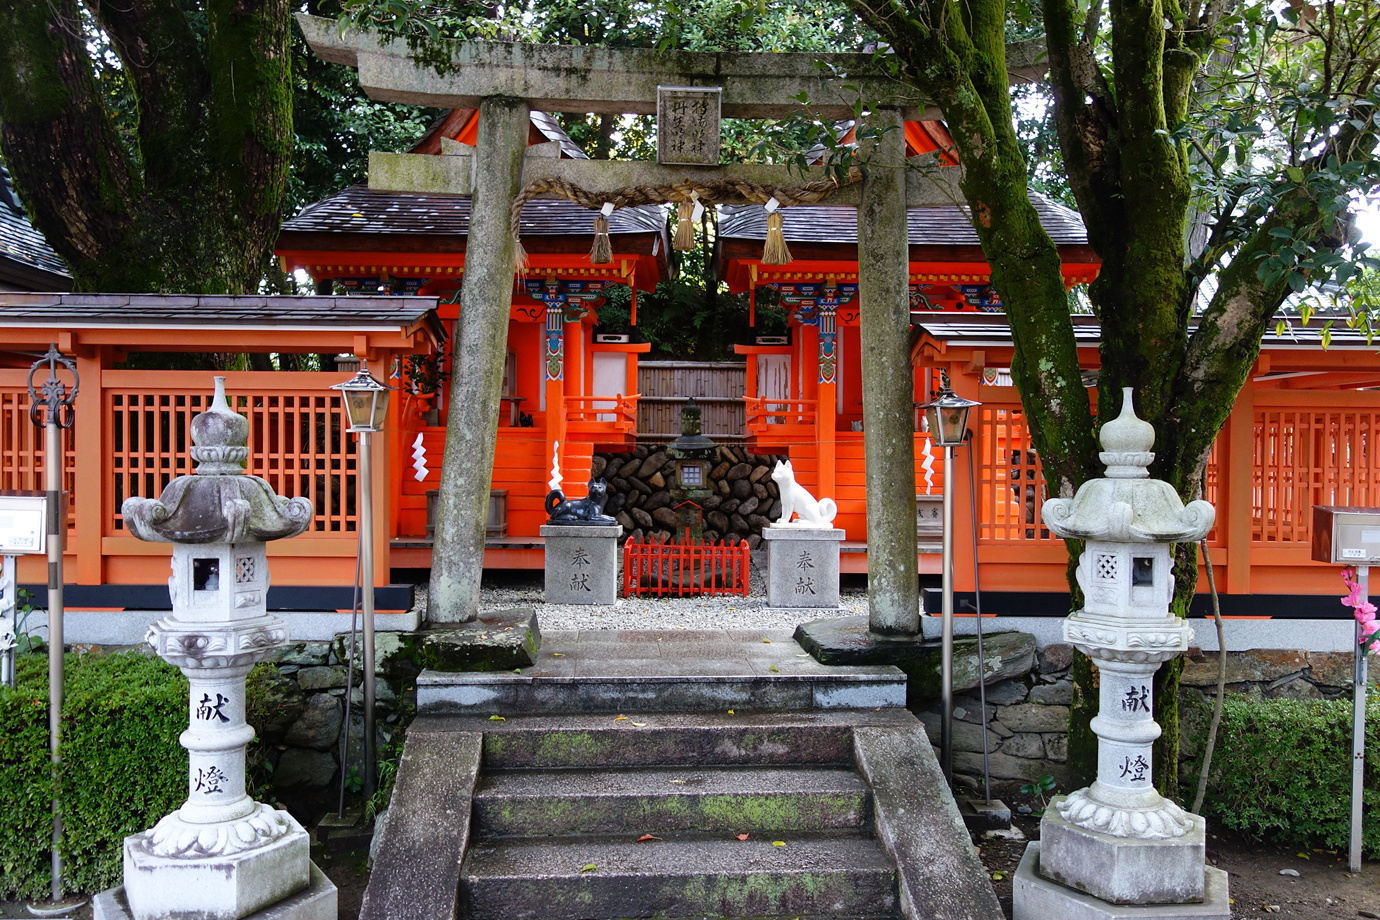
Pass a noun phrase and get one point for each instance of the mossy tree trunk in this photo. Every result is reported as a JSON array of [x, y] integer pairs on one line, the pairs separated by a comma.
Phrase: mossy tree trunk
[[1132, 182], [167, 174]]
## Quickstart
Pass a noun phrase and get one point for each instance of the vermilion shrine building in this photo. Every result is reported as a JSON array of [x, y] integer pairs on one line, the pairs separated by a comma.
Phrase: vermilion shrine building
[[1302, 432]]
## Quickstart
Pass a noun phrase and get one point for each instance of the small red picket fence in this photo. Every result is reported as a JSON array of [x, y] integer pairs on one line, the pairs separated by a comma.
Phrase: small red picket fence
[[684, 569]]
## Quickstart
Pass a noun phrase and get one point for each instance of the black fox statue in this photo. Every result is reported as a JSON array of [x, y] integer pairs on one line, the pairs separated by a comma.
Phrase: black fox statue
[[590, 510]]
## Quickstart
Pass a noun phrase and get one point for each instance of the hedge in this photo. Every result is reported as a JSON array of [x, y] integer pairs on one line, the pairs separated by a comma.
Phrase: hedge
[[1282, 772], [123, 767]]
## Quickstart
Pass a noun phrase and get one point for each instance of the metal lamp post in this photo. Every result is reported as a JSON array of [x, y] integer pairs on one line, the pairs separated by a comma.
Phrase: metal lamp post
[[366, 407], [52, 409], [947, 416]]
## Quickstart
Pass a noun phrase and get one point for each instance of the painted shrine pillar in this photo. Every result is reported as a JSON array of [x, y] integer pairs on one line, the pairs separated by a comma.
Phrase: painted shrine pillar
[[827, 392], [553, 362]]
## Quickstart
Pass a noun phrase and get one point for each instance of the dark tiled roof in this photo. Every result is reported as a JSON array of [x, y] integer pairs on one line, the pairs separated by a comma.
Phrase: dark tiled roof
[[358, 210], [78, 310], [547, 124], [978, 329], [18, 239], [947, 225]]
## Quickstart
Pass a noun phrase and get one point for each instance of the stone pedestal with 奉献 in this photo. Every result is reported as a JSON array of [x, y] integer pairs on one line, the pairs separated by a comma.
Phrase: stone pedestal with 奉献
[[1119, 848], [221, 856], [581, 563], [802, 566]]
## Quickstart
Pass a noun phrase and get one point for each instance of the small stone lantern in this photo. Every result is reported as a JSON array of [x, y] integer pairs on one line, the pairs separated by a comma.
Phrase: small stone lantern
[[221, 856], [1119, 840], [693, 453]]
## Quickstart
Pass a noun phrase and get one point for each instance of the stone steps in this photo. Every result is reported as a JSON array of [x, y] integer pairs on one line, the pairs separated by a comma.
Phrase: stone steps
[[815, 875], [726, 801], [523, 795], [668, 739], [591, 671]]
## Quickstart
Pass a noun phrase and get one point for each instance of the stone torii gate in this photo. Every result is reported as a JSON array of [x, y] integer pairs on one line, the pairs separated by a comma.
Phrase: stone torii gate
[[505, 81]]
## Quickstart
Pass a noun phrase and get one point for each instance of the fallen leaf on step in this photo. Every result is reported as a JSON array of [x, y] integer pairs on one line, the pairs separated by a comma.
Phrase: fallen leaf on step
[[774, 669], [517, 670], [558, 654], [497, 719], [589, 867], [621, 719], [741, 836], [778, 843], [677, 782], [645, 837], [768, 641], [730, 712], [640, 724]]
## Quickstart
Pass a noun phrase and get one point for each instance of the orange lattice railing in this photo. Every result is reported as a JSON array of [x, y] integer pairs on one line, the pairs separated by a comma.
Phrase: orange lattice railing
[[600, 415], [1308, 456], [780, 418], [683, 569], [298, 441]]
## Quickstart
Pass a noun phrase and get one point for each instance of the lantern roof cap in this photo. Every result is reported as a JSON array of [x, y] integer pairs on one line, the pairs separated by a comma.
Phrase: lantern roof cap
[[1126, 505], [220, 503]]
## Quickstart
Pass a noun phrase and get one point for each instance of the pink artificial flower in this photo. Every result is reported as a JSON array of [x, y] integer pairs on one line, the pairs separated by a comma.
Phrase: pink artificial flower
[[1363, 609]]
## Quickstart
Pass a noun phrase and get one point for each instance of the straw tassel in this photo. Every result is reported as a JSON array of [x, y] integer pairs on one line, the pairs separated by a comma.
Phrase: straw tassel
[[601, 253], [775, 251], [685, 228]]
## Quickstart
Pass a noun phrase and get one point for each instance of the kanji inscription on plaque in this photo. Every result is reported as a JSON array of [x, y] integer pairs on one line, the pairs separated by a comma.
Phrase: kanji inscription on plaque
[[687, 125]]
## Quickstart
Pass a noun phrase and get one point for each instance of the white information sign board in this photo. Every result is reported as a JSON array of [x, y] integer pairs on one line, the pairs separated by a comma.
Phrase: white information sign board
[[23, 523]]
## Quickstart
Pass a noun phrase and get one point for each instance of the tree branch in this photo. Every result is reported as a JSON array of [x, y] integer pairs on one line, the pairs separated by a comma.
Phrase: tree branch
[[164, 65]]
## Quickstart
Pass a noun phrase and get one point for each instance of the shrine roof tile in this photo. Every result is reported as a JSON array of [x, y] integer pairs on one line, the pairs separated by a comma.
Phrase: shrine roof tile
[[358, 210], [19, 241], [78, 310], [948, 225]]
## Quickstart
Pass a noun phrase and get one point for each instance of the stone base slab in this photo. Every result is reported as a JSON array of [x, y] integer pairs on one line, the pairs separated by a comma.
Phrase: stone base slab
[[1037, 898], [496, 640], [1123, 870], [581, 563], [981, 815], [802, 566], [315, 902], [225, 887]]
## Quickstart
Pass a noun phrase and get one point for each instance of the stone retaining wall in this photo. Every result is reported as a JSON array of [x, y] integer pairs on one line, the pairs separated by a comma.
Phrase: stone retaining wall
[[298, 707], [746, 499], [1027, 715]]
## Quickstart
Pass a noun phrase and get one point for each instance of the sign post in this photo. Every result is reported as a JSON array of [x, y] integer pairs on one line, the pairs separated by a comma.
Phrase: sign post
[[1351, 536], [60, 413]]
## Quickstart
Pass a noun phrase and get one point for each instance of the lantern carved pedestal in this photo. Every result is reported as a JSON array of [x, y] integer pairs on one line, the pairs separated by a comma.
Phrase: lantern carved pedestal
[[1118, 846], [221, 856]]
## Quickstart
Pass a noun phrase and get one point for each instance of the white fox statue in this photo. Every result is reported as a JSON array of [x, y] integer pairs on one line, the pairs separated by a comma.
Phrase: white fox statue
[[796, 500]]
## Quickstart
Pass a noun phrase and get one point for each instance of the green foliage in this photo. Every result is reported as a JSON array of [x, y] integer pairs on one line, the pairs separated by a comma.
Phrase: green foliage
[[122, 766], [1282, 771]]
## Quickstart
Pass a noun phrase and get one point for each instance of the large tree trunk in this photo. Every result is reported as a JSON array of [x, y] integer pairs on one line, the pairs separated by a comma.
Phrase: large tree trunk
[[189, 200], [1132, 183]]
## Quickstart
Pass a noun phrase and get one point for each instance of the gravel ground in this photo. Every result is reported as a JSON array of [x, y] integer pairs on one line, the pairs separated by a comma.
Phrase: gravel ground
[[524, 589]]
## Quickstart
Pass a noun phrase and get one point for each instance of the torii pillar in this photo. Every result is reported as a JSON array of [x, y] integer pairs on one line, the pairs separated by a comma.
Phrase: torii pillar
[[481, 335], [893, 587]]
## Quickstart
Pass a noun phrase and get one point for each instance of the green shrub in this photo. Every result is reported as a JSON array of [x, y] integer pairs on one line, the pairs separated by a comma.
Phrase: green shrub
[[123, 767], [1282, 771]]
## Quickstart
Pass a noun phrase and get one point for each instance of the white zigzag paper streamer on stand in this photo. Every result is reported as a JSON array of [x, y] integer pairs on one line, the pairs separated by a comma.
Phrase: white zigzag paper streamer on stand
[[419, 458]]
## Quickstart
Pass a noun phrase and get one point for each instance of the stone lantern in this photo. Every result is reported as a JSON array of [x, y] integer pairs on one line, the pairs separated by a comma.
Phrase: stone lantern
[[1119, 840], [221, 856], [693, 453]]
